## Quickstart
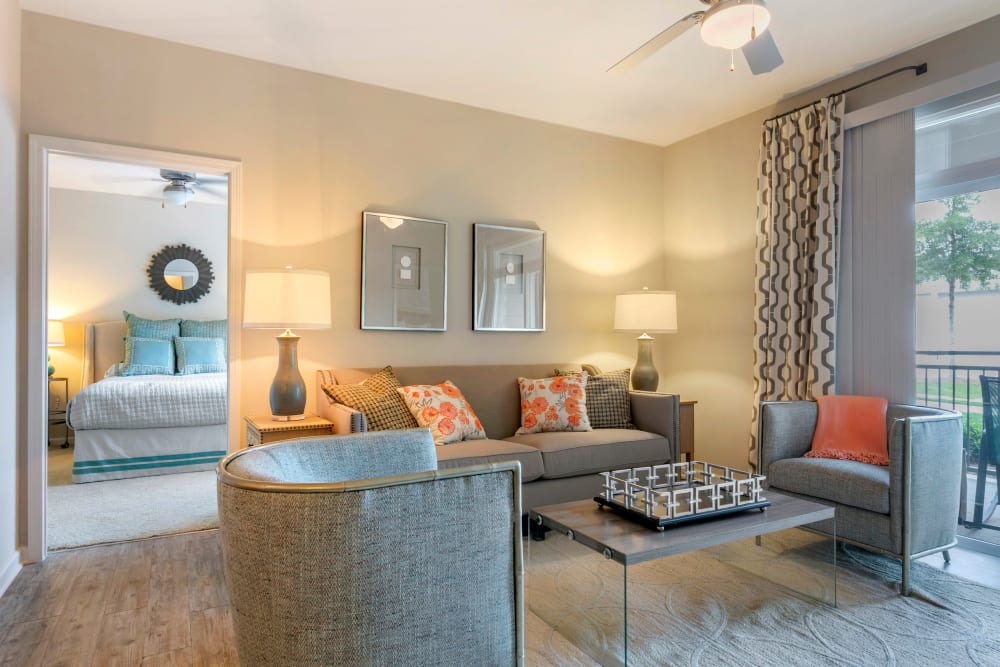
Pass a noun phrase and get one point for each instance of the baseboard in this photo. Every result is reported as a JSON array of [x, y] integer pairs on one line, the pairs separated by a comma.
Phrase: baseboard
[[10, 570]]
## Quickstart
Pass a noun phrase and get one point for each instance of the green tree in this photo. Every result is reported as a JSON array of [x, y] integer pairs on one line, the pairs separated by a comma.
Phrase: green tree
[[958, 249]]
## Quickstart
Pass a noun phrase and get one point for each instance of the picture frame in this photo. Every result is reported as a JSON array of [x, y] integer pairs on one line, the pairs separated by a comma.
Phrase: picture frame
[[404, 273], [508, 278]]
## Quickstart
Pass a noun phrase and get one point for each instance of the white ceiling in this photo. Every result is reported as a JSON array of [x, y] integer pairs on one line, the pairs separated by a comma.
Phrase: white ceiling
[[76, 173], [544, 59]]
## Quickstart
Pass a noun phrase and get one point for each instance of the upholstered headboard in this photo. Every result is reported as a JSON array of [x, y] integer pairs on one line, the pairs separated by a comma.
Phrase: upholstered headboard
[[104, 345]]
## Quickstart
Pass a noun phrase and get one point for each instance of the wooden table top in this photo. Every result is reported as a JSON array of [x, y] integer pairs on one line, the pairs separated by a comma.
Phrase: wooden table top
[[631, 543]]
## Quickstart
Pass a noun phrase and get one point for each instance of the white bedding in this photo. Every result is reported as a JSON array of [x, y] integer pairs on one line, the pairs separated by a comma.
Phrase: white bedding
[[150, 401]]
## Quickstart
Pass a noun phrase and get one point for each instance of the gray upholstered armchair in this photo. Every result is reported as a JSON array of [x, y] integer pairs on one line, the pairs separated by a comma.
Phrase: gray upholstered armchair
[[356, 550], [908, 509]]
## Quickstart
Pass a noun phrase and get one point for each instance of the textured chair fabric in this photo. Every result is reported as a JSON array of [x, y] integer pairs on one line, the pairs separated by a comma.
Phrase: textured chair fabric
[[843, 482], [908, 509], [417, 567]]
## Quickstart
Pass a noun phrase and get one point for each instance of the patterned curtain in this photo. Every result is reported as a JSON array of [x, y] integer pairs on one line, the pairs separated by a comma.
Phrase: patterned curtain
[[798, 215]]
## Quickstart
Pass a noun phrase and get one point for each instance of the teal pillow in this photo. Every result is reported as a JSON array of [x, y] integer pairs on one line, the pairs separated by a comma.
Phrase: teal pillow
[[200, 355], [206, 329], [140, 327], [148, 356]]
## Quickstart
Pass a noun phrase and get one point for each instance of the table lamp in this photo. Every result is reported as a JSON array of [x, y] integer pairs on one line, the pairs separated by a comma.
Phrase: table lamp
[[646, 312], [287, 299], [56, 337]]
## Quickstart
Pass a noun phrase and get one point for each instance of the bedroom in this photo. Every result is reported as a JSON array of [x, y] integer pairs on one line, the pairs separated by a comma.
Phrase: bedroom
[[129, 247]]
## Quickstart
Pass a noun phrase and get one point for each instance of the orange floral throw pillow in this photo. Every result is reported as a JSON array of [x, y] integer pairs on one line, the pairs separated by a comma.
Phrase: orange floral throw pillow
[[443, 409], [852, 428], [554, 404]]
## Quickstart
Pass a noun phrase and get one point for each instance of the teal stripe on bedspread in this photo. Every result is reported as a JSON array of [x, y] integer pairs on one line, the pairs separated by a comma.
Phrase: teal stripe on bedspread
[[145, 462]]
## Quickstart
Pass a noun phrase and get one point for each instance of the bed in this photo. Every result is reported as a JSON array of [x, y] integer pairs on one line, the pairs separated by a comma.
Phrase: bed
[[146, 424]]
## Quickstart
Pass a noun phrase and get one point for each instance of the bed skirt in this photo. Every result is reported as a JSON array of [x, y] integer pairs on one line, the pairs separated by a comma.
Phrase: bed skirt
[[103, 454]]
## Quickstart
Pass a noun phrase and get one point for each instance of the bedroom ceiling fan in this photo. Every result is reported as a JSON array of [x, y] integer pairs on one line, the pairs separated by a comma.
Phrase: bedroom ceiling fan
[[179, 189], [728, 24]]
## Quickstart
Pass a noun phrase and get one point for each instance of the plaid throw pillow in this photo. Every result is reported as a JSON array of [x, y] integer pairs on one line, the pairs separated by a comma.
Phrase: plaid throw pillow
[[608, 404], [377, 398]]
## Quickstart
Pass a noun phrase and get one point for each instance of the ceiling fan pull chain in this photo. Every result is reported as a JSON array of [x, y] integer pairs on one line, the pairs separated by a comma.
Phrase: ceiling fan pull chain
[[753, 23], [732, 60]]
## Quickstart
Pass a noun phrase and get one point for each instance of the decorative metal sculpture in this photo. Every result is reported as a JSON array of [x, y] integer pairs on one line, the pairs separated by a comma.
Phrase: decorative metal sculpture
[[181, 285]]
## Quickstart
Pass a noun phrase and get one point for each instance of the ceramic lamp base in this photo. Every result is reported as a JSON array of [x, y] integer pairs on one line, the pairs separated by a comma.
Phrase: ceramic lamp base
[[288, 390], [644, 375]]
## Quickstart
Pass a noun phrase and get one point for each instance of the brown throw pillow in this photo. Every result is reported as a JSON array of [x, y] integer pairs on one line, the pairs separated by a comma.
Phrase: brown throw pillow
[[608, 403], [377, 398]]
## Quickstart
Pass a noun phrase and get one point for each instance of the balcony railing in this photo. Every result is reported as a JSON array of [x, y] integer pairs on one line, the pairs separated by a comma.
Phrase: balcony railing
[[950, 379]]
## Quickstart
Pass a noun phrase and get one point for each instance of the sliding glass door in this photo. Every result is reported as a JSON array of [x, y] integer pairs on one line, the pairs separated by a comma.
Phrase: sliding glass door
[[957, 255]]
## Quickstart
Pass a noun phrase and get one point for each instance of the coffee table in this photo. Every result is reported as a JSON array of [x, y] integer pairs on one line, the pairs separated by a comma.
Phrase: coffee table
[[628, 543]]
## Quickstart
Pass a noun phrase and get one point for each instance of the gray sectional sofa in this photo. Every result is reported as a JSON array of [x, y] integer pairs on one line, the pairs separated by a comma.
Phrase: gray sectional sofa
[[555, 467]]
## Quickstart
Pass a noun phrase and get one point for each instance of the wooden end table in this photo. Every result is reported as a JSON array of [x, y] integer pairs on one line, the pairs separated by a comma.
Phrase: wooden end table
[[262, 430]]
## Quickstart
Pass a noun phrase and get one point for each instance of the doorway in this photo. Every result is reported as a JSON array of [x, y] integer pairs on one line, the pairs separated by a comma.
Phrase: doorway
[[43, 151]]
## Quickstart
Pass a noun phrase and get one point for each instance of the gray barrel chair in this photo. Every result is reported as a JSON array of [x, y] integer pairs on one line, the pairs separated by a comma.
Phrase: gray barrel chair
[[907, 510], [356, 550]]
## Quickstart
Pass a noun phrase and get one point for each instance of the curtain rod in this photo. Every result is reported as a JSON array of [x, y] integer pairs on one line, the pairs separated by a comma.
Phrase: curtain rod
[[917, 69]]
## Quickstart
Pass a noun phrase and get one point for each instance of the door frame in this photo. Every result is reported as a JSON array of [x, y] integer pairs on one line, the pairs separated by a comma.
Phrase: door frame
[[40, 147]]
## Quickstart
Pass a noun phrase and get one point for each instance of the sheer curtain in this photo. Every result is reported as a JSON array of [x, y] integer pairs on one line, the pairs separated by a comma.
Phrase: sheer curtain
[[876, 290]]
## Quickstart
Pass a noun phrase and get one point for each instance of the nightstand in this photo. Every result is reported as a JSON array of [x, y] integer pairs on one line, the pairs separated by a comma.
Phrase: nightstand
[[687, 429], [57, 408], [262, 430]]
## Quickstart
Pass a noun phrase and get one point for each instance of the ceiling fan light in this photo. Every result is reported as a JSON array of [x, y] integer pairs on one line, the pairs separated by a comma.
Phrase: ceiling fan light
[[177, 194], [729, 24]]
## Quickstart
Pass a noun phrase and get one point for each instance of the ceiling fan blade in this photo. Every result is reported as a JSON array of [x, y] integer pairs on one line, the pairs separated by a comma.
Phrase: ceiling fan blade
[[656, 43], [762, 54], [217, 189], [212, 178]]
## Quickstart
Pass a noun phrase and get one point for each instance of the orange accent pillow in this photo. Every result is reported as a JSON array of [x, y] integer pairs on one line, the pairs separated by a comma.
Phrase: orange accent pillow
[[852, 428]]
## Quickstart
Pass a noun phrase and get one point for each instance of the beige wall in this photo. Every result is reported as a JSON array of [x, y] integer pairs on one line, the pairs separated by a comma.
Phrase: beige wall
[[317, 151], [709, 190], [10, 85]]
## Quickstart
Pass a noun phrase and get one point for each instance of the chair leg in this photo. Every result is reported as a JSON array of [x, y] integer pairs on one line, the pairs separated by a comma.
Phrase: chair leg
[[904, 588], [947, 556]]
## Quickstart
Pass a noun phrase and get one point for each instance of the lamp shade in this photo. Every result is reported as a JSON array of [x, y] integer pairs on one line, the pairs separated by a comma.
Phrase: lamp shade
[[286, 299], [730, 24], [56, 334], [646, 311]]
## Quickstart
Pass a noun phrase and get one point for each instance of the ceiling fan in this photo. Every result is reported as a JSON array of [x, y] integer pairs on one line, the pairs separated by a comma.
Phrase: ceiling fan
[[179, 189], [728, 24]]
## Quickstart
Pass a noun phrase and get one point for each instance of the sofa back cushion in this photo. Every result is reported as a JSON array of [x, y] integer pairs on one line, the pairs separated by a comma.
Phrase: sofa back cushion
[[492, 391]]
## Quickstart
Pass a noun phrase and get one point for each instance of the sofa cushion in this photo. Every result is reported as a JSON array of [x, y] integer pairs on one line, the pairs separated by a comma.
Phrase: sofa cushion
[[569, 453], [849, 483], [469, 452]]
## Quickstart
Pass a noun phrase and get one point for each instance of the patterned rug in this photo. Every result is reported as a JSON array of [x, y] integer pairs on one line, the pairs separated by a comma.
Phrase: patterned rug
[[706, 608]]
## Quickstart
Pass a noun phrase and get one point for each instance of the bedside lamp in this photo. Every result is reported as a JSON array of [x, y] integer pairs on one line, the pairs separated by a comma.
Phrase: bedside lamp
[[56, 337], [646, 312], [287, 299]]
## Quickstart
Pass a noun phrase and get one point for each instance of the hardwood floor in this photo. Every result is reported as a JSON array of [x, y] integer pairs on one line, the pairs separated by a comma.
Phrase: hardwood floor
[[162, 602], [151, 602]]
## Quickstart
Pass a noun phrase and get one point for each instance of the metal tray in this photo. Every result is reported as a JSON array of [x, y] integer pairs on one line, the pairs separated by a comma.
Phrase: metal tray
[[677, 493]]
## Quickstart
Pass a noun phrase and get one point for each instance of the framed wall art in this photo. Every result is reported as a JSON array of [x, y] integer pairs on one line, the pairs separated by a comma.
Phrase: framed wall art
[[404, 273], [509, 279]]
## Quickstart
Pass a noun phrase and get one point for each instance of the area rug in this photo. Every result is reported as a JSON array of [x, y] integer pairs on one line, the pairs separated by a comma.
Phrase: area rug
[[698, 609], [129, 509]]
